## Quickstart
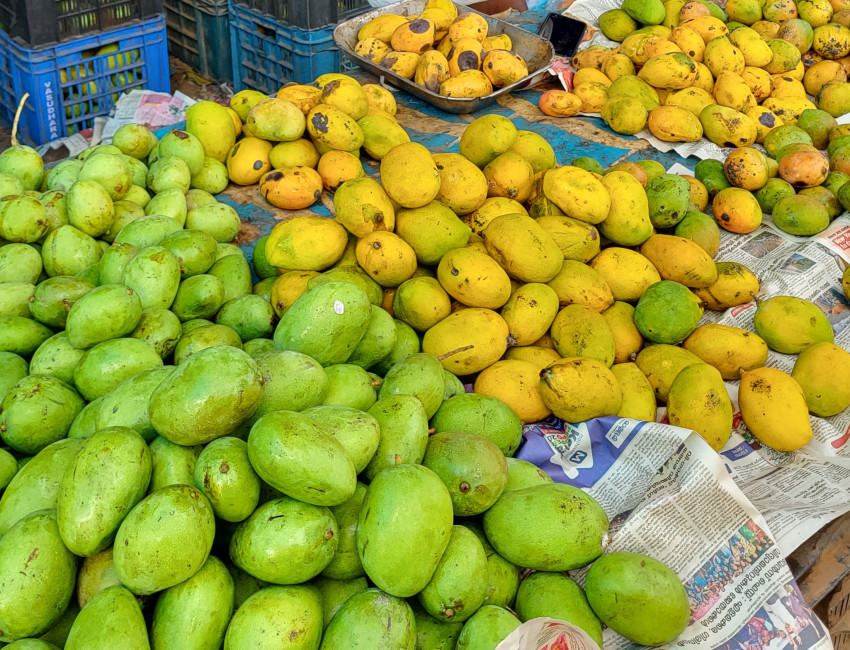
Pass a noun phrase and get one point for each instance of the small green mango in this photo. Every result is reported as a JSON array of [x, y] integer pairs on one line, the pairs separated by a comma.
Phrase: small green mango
[[235, 275], [13, 368], [112, 619], [502, 576], [113, 263], [15, 298], [22, 335], [67, 251], [20, 263], [522, 474], [127, 404], [225, 476], [97, 572], [105, 366], [555, 595], [201, 338], [159, 328], [172, 464], [358, 432], [371, 620], [154, 274], [199, 296], [147, 231], [194, 249], [407, 342], [487, 628], [349, 385], [420, 375], [481, 414], [432, 634], [291, 382], [250, 316], [53, 299], [404, 433], [378, 341], [667, 312], [107, 312], [336, 592], [345, 564], [276, 613]]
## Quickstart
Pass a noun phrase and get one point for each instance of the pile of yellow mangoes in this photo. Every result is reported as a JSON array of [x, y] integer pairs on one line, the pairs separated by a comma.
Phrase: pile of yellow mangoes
[[692, 70], [442, 51], [491, 260]]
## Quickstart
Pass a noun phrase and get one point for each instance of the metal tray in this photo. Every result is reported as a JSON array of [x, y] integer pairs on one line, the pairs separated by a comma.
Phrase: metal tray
[[537, 52]]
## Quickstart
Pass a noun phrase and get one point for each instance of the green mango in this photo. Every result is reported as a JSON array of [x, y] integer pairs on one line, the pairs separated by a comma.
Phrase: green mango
[[57, 357], [159, 328], [206, 397], [647, 12], [567, 532], [261, 262], [112, 619], [481, 414], [105, 366], [522, 474], [326, 322], [358, 432], [291, 382], [20, 263], [371, 620], [555, 595], [459, 584], [258, 347], [85, 424], [502, 576], [64, 174], [336, 592], [58, 634], [55, 209], [667, 312], [8, 468], [114, 261], [668, 196], [127, 211], [789, 324], [22, 219], [406, 343], [285, 541], [378, 341], [172, 464], [225, 476], [349, 385], [154, 274], [275, 613], [152, 555], [170, 203], [250, 316], [295, 455], [400, 548], [36, 485], [53, 299], [37, 577], [235, 275], [31, 644], [90, 207], [244, 584], [472, 467], [138, 170], [127, 404], [263, 289], [353, 275], [107, 478], [194, 249], [22, 335], [107, 312], [194, 614], [218, 219], [432, 634], [67, 251], [345, 564], [38, 411], [702, 229], [404, 433], [800, 215], [200, 296], [209, 336], [420, 375], [13, 368], [90, 274], [487, 628], [15, 298], [147, 231], [97, 572], [453, 386]]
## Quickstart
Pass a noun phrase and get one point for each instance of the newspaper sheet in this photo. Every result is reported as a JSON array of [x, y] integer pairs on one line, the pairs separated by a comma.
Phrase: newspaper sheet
[[724, 522]]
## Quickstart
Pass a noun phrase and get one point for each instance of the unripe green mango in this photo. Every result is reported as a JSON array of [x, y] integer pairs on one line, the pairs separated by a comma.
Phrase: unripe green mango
[[345, 564], [107, 478], [420, 375], [209, 336], [349, 385], [487, 628], [502, 576], [336, 592], [285, 541], [36, 486], [37, 576], [8, 468], [568, 530], [147, 231], [206, 397], [407, 343], [291, 382], [555, 595], [351, 274], [172, 464], [258, 347], [481, 414], [358, 432], [374, 620], [15, 298], [404, 433], [127, 404], [114, 261], [377, 342], [400, 549], [522, 474], [276, 613], [200, 296], [217, 219], [105, 366], [295, 455], [164, 540], [20, 263], [432, 634], [159, 328], [194, 249], [90, 207], [22, 335], [13, 368], [235, 275], [112, 619], [668, 197], [326, 322], [38, 411], [85, 424], [154, 274], [194, 614], [225, 476], [53, 299], [250, 316], [105, 313], [22, 219], [67, 251], [97, 572]]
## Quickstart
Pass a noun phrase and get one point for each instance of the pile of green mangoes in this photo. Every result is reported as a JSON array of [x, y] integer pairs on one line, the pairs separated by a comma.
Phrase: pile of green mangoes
[[182, 468]]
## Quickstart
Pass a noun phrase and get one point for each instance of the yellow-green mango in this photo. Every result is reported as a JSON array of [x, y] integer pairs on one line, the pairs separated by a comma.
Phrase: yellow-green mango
[[580, 331], [627, 222], [529, 312], [380, 134], [473, 278], [468, 340], [306, 243], [789, 324], [735, 285], [212, 125], [372, 619], [579, 389], [409, 175], [627, 338], [431, 230], [112, 618], [273, 613], [578, 240], [661, 363], [823, 372], [404, 432], [578, 193], [729, 349], [698, 400], [680, 260], [577, 283], [487, 137], [332, 128], [521, 246], [627, 272], [672, 71]]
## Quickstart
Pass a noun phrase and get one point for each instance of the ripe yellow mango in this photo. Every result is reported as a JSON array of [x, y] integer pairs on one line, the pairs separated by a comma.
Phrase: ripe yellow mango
[[823, 372], [774, 409], [492, 207], [537, 355], [578, 284], [579, 331], [526, 251], [638, 399], [530, 311], [627, 338], [409, 175], [468, 340], [580, 389], [698, 400], [681, 260], [306, 243], [661, 363], [517, 384], [578, 240], [672, 71], [578, 193], [386, 257], [473, 278], [627, 222], [674, 124], [287, 288], [727, 348], [463, 187], [735, 285], [627, 272]]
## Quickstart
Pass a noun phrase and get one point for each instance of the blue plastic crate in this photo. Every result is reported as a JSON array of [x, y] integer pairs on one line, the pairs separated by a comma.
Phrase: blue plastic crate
[[70, 83], [268, 54], [199, 34]]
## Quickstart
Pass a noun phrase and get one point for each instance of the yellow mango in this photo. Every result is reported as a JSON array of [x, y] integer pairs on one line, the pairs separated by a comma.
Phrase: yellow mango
[[822, 73], [591, 74], [765, 122], [409, 175], [705, 79], [759, 82], [578, 240], [580, 389], [336, 167], [577, 283], [722, 56], [432, 70], [516, 383], [442, 19], [444, 5], [578, 193], [509, 175], [381, 27], [731, 90], [463, 187], [708, 27], [493, 207], [735, 285], [469, 83], [788, 109], [638, 399], [681, 260], [372, 49], [579, 331], [592, 57], [689, 41], [304, 97], [298, 153], [756, 51], [523, 248], [672, 71], [473, 278], [504, 68], [468, 340], [627, 338], [500, 42], [306, 243], [466, 54], [559, 103], [593, 96], [468, 25], [294, 188], [530, 311], [661, 363], [415, 36], [536, 355], [627, 222], [698, 400], [627, 272], [617, 66], [727, 348], [402, 63], [774, 409], [333, 128], [380, 98], [674, 124], [287, 288], [823, 372], [248, 161], [786, 86], [362, 206], [789, 324], [386, 257]]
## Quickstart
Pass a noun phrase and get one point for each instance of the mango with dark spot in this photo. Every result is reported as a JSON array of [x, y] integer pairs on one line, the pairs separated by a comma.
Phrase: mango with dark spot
[[333, 128], [347, 96], [372, 49], [468, 25], [504, 68], [304, 97], [248, 161], [402, 63], [469, 83], [465, 54], [415, 36], [727, 127], [295, 188]]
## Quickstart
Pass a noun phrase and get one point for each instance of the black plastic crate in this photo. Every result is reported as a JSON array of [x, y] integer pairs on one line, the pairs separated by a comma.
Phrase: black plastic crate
[[307, 14], [40, 22]]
